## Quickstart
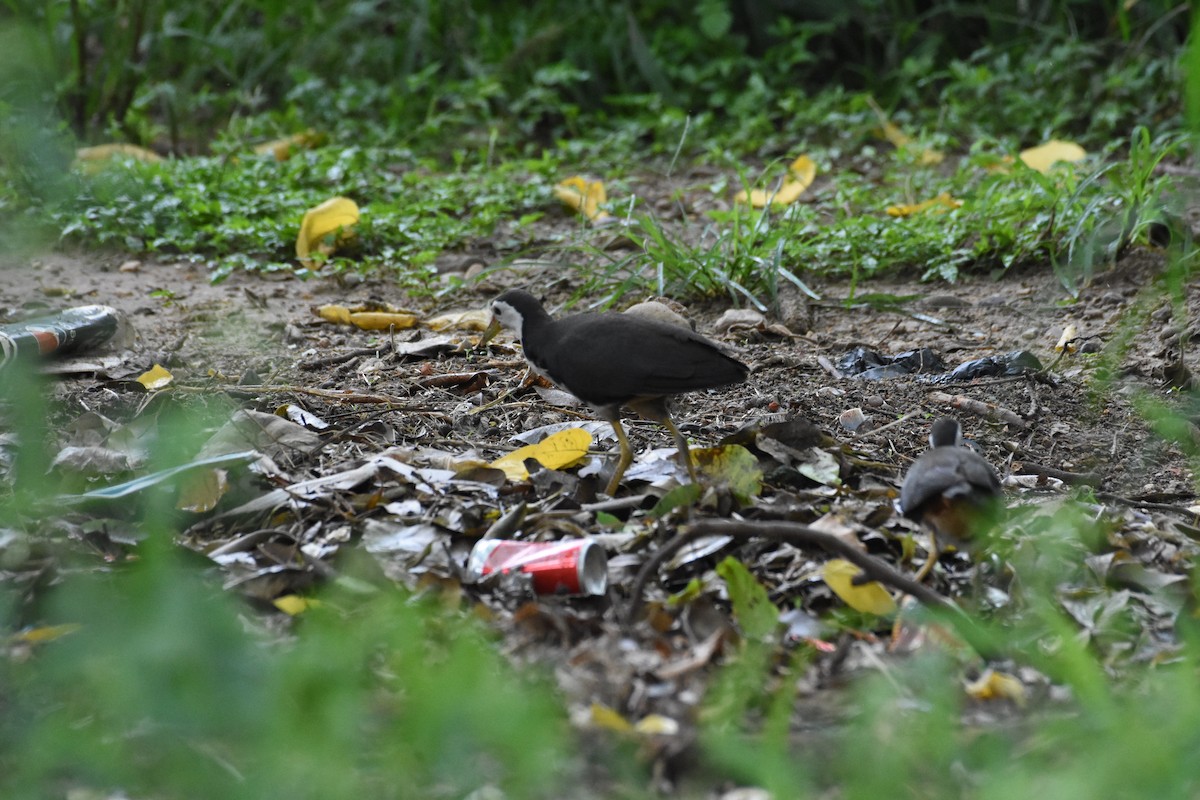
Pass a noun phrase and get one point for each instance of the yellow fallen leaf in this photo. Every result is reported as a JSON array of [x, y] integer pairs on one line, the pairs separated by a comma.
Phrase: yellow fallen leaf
[[382, 320], [889, 131], [893, 134], [1001, 165], [584, 196], [157, 377], [554, 452], [733, 464], [293, 604], [47, 633], [1044, 157], [201, 490], [788, 193], [931, 157], [803, 170], [901, 140], [282, 149], [656, 725], [801, 173], [94, 159], [992, 685], [609, 719], [367, 320], [333, 313], [324, 227], [869, 598], [474, 320], [940, 204], [1066, 342]]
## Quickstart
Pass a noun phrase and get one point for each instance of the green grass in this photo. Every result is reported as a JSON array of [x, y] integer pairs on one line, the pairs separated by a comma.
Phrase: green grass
[[243, 212], [454, 149], [373, 695]]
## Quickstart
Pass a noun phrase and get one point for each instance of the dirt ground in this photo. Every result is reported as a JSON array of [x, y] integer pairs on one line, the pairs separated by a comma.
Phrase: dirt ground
[[253, 342]]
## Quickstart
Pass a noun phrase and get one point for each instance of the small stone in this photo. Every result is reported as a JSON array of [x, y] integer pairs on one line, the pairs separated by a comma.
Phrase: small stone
[[659, 312], [130, 266], [875, 401]]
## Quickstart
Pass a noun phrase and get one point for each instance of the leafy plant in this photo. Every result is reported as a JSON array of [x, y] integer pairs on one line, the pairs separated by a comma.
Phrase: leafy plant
[[156, 685]]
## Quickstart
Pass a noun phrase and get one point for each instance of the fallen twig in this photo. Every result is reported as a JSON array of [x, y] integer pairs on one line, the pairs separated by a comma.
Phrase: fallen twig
[[340, 358], [978, 407], [1072, 478], [828, 366], [891, 424], [395, 403]]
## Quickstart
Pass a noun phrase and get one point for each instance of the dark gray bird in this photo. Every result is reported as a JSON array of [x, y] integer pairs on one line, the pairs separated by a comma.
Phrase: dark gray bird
[[951, 489], [611, 360]]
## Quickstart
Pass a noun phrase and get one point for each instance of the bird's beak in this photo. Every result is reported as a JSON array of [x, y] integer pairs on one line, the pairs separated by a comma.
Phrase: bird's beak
[[490, 332]]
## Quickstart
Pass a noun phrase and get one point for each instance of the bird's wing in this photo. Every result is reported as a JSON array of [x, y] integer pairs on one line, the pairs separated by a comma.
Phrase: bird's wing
[[615, 359]]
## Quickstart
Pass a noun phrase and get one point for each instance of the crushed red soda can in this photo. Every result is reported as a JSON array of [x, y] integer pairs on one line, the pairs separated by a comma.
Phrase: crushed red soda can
[[572, 566], [71, 330]]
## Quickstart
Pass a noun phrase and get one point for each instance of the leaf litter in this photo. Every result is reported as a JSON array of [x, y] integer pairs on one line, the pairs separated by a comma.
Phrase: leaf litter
[[392, 463]]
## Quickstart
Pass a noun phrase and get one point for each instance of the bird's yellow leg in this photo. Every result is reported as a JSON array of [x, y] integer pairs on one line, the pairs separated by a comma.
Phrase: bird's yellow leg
[[623, 462], [685, 455], [930, 560]]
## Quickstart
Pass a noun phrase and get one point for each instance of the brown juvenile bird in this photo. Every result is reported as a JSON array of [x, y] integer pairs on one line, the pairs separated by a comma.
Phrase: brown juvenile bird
[[951, 489], [610, 360]]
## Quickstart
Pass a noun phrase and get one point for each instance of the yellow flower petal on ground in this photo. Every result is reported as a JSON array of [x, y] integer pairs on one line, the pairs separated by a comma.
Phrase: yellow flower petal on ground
[[554, 452], [325, 226], [940, 204], [1044, 157], [584, 196], [869, 598], [157, 377]]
